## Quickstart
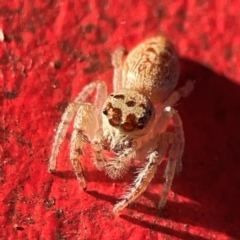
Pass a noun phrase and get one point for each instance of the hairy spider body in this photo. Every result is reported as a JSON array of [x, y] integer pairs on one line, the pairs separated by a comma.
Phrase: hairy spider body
[[131, 122]]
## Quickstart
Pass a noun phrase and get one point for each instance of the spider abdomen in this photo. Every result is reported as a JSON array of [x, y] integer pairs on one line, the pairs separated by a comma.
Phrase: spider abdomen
[[152, 68]]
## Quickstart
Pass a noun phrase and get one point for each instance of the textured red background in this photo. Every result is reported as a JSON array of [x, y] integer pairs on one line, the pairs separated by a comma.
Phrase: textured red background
[[51, 49]]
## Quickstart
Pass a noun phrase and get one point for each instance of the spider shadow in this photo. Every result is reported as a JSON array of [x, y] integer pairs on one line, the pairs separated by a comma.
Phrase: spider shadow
[[94, 175], [162, 229], [102, 196], [210, 175], [64, 174], [147, 211]]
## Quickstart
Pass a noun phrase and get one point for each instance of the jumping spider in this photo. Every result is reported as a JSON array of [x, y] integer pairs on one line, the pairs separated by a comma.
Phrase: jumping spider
[[132, 121]]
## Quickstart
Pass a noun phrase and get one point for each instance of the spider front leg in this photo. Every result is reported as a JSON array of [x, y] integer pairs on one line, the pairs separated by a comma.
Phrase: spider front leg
[[119, 165], [85, 127], [145, 174], [70, 113]]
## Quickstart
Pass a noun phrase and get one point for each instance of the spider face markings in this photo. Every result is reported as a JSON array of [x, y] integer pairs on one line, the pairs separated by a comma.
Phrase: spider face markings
[[128, 110]]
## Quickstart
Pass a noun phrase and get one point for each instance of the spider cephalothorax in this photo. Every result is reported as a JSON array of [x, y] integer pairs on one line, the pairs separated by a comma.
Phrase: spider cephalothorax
[[129, 112], [131, 122]]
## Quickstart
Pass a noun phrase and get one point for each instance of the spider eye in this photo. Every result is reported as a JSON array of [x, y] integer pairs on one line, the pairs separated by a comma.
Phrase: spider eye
[[128, 127], [114, 121], [107, 108], [105, 111], [140, 126], [130, 123], [114, 115], [142, 122]]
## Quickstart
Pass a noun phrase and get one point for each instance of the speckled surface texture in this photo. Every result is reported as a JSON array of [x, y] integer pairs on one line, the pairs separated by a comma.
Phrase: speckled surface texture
[[48, 51]]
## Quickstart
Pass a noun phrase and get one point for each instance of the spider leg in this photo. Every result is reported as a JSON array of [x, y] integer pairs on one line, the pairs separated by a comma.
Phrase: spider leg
[[181, 139], [100, 98], [119, 165], [78, 140], [66, 119], [169, 173], [175, 96], [85, 127], [61, 133], [99, 160], [145, 174], [118, 65], [174, 162]]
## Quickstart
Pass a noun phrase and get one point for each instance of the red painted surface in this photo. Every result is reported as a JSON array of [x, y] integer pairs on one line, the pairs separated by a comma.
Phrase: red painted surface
[[51, 49]]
